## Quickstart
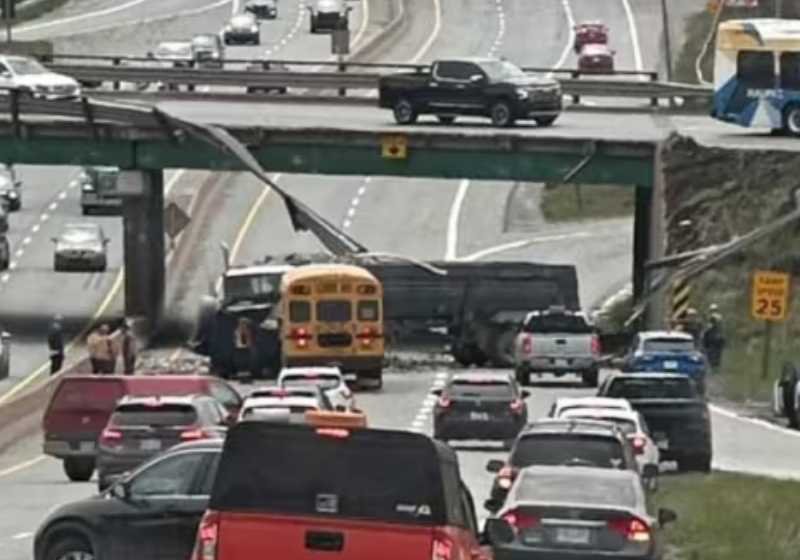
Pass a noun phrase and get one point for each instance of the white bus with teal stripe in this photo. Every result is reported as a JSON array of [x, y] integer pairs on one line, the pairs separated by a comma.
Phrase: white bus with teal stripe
[[757, 74]]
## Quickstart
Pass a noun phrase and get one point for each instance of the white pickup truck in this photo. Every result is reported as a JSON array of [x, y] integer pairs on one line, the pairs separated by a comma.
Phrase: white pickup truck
[[557, 341]]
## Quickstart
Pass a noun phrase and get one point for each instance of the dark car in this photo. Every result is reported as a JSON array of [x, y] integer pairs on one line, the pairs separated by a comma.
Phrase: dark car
[[81, 405], [11, 190], [263, 9], [242, 29], [555, 513], [141, 427], [302, 492], [478, 406], [563, 442], [329, 15], [589, 33], [676, 413], [151, 513], [667, 351], [477, 87], [267, 66]]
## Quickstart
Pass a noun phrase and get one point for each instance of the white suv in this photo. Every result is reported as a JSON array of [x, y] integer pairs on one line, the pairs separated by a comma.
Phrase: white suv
[[29, 76], [329, 379]]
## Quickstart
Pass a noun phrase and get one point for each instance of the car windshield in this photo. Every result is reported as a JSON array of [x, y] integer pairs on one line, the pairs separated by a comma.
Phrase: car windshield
[[174, 50], [557, 323], [480, 388], [625, 425], [502, 70], [204, 41], [243, 21], [26, 66], [561, 449], [80, 233], [678, 345], [276, 409], [571, 489], [654, 388], [596, 49], [165, 415], [324, 381], [264, 287]]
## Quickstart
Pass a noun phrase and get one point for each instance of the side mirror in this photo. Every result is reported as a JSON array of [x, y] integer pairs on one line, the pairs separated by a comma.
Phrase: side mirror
[[340, 408], [492, 505], [666, 516], [121, 490], [437, 392], [495, 465], [476, 78], [498, 531], [525, 394]]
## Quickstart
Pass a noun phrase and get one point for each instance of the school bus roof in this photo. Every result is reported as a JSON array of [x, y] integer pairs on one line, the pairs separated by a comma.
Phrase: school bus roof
[[314, 271], [759, 34]]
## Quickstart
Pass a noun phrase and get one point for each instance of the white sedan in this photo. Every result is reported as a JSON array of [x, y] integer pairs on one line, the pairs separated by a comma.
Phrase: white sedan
[[571, 403], [633, 426], [329, 379], [291, 408], [30, 77]]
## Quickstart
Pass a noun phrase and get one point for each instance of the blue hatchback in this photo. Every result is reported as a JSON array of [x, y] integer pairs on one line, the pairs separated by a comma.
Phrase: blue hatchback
[[665, 351]]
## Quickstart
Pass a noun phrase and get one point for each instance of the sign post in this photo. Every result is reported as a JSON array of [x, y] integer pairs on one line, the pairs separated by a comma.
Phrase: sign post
[[9, 13], [769, 303], [340, 46]]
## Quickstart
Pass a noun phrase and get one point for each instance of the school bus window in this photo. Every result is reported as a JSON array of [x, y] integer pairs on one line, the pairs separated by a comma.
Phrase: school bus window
[[301, 290], [368, 310], [334, 310], [299, 312], [755, 69], [366, 289]]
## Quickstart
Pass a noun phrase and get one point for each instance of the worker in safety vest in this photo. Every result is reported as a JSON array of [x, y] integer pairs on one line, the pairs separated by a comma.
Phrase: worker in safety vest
[[245, 339]]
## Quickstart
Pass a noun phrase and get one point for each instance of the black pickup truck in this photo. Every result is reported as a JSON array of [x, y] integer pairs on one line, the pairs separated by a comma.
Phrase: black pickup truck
[[676, 415], [491, 88]]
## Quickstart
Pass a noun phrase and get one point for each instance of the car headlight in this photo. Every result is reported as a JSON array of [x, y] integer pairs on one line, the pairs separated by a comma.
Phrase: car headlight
[[87, 187], [254, 29], [11, 194], [522, 94]]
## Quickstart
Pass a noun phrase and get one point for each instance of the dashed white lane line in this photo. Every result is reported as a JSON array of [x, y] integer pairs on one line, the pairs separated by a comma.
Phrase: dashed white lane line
[[20, 536], [301, 10], [501, 28], [351, 211], [426, 408], [570, 36]]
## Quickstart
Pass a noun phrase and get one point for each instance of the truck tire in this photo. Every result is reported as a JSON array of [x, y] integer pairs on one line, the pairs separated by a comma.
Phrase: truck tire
[[591, 377], [79, 469], [468, 354], [788, 384], [699, 463], [501, 114], [545, 121], [404, 112]]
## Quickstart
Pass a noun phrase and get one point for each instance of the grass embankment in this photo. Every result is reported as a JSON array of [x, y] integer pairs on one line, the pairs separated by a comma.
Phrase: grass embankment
[[726, 516], [698, 26], [566, 202]]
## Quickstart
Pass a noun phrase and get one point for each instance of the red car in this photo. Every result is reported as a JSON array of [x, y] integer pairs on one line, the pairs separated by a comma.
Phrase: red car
[[596, 59], [590, 33]]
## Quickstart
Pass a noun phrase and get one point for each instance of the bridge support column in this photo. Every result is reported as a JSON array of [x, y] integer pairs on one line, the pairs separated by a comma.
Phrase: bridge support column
[[143, 222], [642, 241]]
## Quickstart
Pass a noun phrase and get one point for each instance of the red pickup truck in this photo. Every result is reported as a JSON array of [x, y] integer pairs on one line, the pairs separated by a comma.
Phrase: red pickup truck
[[298, 492]]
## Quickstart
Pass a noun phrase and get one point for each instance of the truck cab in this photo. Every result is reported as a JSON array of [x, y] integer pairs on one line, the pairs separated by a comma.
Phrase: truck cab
[[329, 15], [99, 190]]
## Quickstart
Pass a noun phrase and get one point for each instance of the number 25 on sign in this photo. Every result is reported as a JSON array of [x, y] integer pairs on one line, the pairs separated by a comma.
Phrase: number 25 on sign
[[770, 295]]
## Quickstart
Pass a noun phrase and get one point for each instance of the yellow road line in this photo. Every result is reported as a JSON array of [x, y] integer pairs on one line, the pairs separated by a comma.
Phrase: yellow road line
[[22, 466]]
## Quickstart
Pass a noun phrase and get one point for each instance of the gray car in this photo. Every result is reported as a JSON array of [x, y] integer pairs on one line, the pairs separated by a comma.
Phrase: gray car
[[557, 512], [208, 50], [242, 29], [81, 247], [11, 189]]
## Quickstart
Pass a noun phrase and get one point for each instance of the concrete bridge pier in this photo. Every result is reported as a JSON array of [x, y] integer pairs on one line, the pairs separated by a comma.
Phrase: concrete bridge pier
[[143, 223]]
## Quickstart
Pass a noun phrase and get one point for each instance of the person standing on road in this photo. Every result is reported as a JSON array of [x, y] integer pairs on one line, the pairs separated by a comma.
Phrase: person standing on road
[[128, 350], [693, 324], [101, 351], [55, 343], [714, 338]]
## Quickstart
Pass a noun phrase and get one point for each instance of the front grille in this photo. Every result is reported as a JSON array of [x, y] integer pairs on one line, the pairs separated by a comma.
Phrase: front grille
[[334, 340], [544, 94]]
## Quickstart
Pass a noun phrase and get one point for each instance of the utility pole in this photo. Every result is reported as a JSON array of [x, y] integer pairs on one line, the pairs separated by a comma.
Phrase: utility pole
[[778, 8], [667, 41], [9, 13]]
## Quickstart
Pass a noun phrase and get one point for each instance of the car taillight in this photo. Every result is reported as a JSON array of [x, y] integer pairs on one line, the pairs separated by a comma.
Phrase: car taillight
[[516, 404], [527, 344], [632, 528], [192, 434], [521, 520], [638, 444], [442, 548], [207, 536], [300, 335], [595, 344], [505, 478], [110, 435]]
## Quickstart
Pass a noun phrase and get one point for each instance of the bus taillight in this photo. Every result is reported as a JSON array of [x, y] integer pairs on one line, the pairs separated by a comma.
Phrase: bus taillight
[[300, 335], [366, 335]]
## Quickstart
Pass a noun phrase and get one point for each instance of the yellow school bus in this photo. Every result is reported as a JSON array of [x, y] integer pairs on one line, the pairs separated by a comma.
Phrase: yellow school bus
[[332, 315]]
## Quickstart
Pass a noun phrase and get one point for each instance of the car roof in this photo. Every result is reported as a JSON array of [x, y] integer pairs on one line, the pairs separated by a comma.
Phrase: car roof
[[478, 377], [569, 425], [599, 47], [615, 413], [593, 402], [258, 402], [242, 15], [677, 335], [213, 443], [157, 400], [82, 225], [648, 375], [620, 477], [310, 371], [277, 390]]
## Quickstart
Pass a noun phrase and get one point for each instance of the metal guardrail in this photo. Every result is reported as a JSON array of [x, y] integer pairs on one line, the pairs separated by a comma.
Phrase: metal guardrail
[[595, 86]]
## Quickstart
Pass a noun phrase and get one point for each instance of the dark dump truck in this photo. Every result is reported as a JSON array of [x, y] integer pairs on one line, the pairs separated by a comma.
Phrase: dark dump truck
[[473, 87], [474, 309], [677, 416]]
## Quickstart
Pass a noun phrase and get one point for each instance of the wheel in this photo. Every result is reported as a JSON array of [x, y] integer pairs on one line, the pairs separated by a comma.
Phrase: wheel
[[404, 112], [86, 210], [591, 377], [791, 119], [446, 119], [57, 265], [700, 463], [102, 267], [68, 547], [545, 121], [79, 469], [4, 264], [501, 115]]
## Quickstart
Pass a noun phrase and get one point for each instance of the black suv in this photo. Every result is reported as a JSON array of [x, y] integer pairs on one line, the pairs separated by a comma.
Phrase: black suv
[[570, 442]]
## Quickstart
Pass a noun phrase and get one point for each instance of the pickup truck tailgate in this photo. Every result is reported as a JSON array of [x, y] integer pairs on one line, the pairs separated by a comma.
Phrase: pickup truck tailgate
[[678, 420], [246, 536], [561, 345]]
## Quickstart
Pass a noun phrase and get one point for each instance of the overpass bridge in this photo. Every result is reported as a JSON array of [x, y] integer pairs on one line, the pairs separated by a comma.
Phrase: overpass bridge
[[145, 140]]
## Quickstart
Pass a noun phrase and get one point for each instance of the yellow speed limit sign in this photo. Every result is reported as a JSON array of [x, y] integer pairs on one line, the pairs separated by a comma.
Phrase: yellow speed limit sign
[[770, 295], [394, 146]]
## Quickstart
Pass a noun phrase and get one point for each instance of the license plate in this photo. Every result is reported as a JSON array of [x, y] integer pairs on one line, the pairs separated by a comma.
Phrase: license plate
[[670, 365], [573, 536], [150, 445], [87, 447], [479, 416], [662, 444], [562, 363]]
